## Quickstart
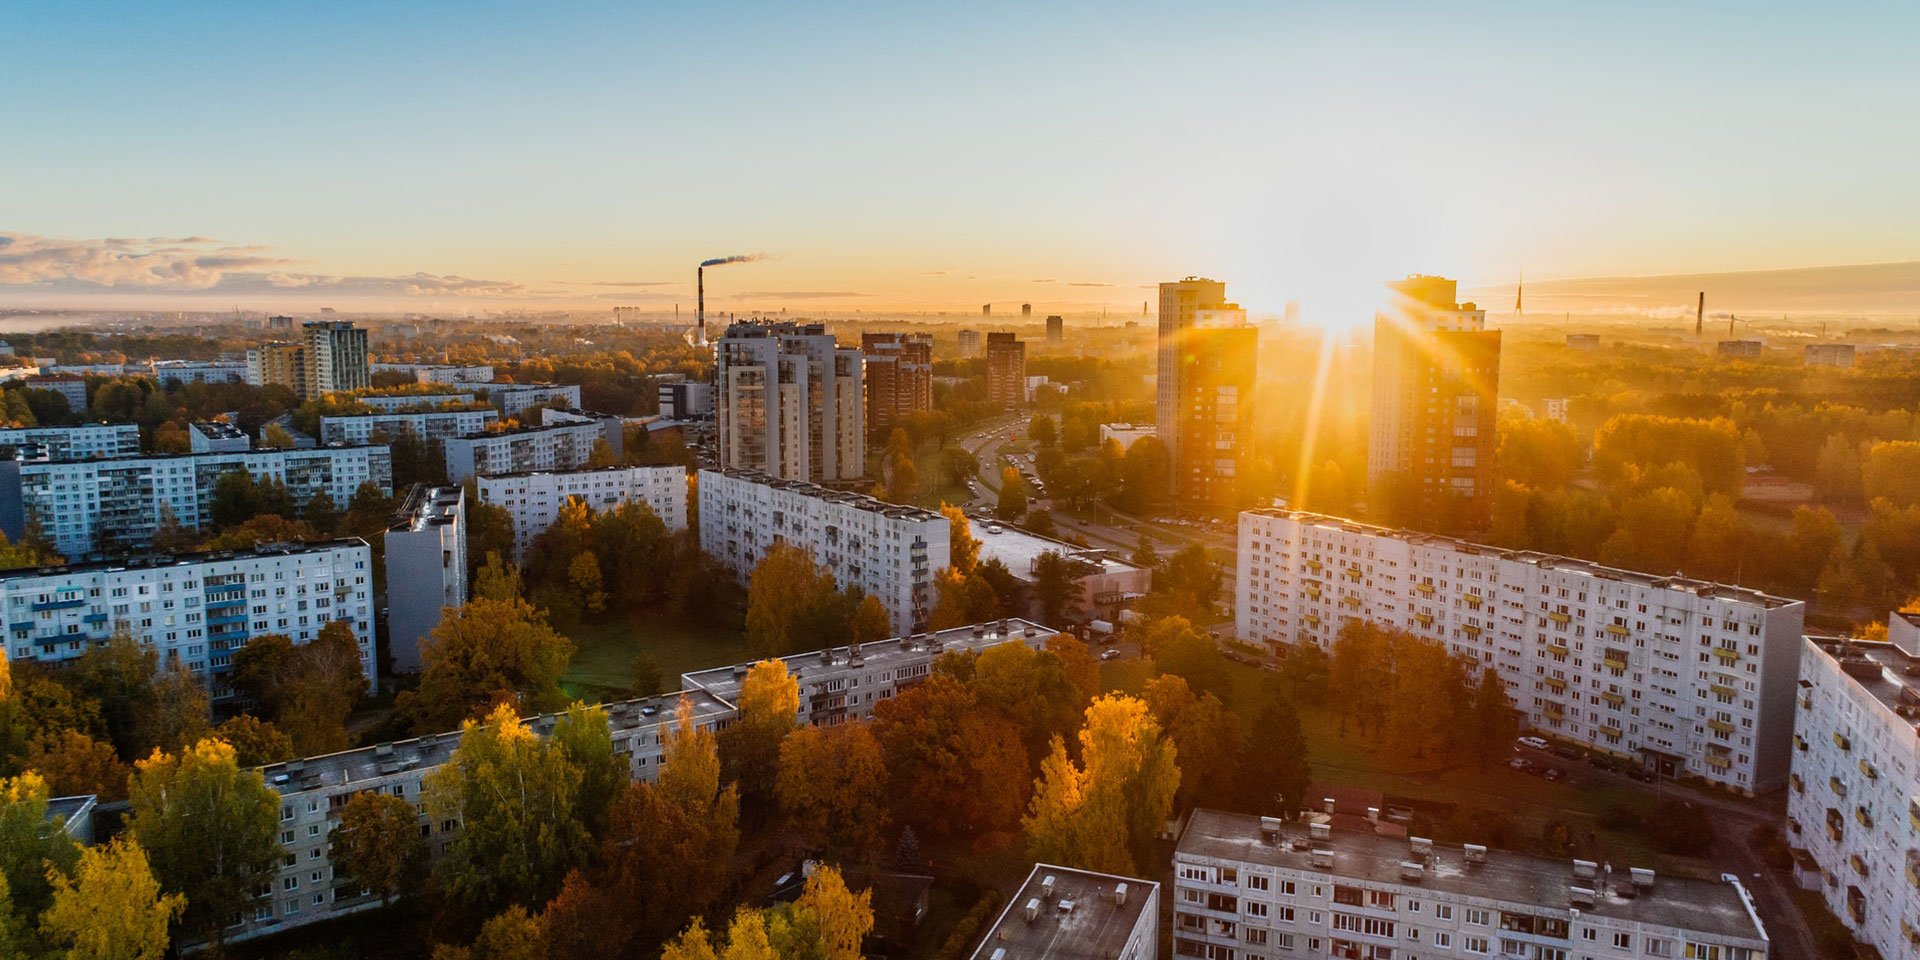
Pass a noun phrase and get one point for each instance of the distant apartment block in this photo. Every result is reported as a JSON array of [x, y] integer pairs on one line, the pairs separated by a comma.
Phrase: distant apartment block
[[1853, 800], [534, 499], [217, 436], [1213, 390], [1125, 434], [1555, 409], [1181, 302], [417, 402], [889, 551], [86, 441], [514, 399], [899, 378], [282, 363], [439, 372], [195, 609], [1247, 886], [1436, 380], [789, 402], [85, 506], [1006, 371], [1063, 913], [426, 557], [71, 386], [1585, 342], [563, 440], [1740, 349], [970, 342], [330, 356], [197, 371], [432, 427], [685, 399], [1685, 677], [1056, 330], [1829, 355]]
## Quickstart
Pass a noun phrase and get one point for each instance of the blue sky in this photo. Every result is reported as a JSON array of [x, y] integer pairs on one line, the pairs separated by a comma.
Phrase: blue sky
[[894, 151]]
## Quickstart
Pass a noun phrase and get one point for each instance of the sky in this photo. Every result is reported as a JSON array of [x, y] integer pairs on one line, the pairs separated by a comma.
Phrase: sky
[[928, 157]]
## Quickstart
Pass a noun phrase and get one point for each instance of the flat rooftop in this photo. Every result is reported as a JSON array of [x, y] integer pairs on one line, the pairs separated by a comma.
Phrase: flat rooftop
[[1684, 903], [1702, 588], [858, 501], [1881, 669], [428, 507], [133, 462], [162, 560], [1018, 549], [724, 682], [580, 472], [219, 430], [1083, 919]]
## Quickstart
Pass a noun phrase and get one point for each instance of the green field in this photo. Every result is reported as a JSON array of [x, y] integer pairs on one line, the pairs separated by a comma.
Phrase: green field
[[603, 662]]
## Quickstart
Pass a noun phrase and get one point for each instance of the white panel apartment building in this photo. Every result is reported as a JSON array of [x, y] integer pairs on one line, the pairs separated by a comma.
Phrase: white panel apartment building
[[889, 551], [1252, 888], [789, 402], [563, 441], [512, 399], [91, 505], [426, 558], [439, 372], [534, 499], [1853, 803], [397, 402], [196, 371], [195, 609], [432, 427], [1688, 677], [836, 685], [86, 441]]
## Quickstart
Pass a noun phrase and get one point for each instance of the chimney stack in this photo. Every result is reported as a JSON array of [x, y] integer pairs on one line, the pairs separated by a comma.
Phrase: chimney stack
[[1700, 315], [700, 313]]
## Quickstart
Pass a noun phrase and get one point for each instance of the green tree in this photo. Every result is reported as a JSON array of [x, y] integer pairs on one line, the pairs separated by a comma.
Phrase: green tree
[[1056, 585], [1146, 475], [769, 710], [210, 829], [1102, 812], [870, 621], [112, 909], [1012, 504], [31, 844], [1275, 777], [486, 652], [586, 739], [1145, 556], [118, 676], [1207, 736], [1493, 721], [377, 844], [489, 530], [1187, 585]]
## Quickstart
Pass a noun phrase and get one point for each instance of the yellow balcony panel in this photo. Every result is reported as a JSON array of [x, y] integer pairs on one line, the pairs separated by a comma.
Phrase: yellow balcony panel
[[1611, 731], [1350, 600], [1473, 600], [1353, 573], [1313, 565], [1555, 683], [1426, 588], [1311, 620], [1614, 699], [1557, 649], [1837, 785], [1726, 654], [1560, 618], [1424, 619], [1722, 690], [1864, 816], [1617, 629], [1841, 740], [1719, 761], [1470, 630], [1872, 772], [1719, 726], [1552, 709], [1614, 663]]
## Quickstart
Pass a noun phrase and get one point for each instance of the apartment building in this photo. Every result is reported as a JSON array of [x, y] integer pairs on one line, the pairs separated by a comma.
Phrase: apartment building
[[534, 499], [1689, 678], [216, 436], [282, 363], [789, 402], [336, 356], [1436, 384], [440, 372], [413, 402], [1853, 800], [1829, 355], [835, 685], [86, 441], [1063, 913], [969, 342], [71, 386], [1215, 378], [1006, 371], [87, 506], [195, 609], [1254, 888], [430, 426], [563, 440], [196, 371], [426, 557], [899, 378], [889, 551], [513, 399], [1107, 582]]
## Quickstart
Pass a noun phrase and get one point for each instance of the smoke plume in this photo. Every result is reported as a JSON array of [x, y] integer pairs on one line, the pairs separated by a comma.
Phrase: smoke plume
[[743, 258]]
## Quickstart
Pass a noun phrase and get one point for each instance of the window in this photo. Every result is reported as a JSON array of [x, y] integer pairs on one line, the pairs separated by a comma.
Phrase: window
[[1255, 908]]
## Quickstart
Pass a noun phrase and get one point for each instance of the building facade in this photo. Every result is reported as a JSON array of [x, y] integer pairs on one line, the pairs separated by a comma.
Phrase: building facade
[[1056, 330], [1829, 354], [336, 357], [789, 402], [1180, 303], [432, 427], [73, 387], [1107, 583], [1006, 371], [439, 372], [563, 440], [513, 399], [969, 342], [1853, 800], [426, 558], [86, 441], [1254, 888], [889, 551], [417, 402], [196, 609], [87, 506], [898, 376], [685, 400], [216, 436], [1215, 379], [197, 371], [282, 363], [1687, 677], [1436, 384], [534, 499]]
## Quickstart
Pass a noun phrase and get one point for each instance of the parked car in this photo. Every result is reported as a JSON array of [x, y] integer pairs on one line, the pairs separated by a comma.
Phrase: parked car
[[1110, 654], [1534, 742], [1552, 773], [1521, 764], [1567, 753]]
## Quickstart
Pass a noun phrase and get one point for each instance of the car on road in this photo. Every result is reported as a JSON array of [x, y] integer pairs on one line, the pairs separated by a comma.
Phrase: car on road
[[1552, 773], [1521, 764], [995, 528], [1534, 742], [1110, 654]]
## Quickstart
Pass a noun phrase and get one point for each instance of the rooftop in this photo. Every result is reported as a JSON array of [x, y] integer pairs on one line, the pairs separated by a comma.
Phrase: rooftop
[[578, 472], [162, 560], [803, 488], [1702, 588], [1075, 915], [724, 682], [1881, 668], [428, 507], [1018, 549], [123, 463], [1717, 907], [219, 430]]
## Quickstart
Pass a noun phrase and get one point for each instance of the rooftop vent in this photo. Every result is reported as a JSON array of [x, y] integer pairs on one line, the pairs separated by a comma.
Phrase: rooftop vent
[[1323, 857], [1032, 912], [1119, 894], [1326, 804], [1270, 829], [1580, 896], [1642, 877], [1586, 869], [1412, 870], [1320, 831], [1476, 853], [1065, 906], [999, 953], [1421, 847], [1046, 887]]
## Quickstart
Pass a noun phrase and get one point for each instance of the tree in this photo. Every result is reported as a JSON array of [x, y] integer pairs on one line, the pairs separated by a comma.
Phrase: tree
[[1145, 555], [489, 530], [177, 715], [1892, 472], [1539, 453], [1012, 504], [828, 922], [957, 769], [276, 437], [1493, 723], [870, 621], [1179, 649], [586, 739], [30, 844], [377, 844], [74, 764], [515, 796], [958, 465], [1031, 689], [1206, 735], [584, 574], [486, 652], [113, 908], [1102, 813], [832, 787], [769, 710], [786, 586], [1146, 475], [1043, 431], [1837, 474], [118, 676], [309, 690], [1187, 586], [265, 528], [210, 828], [1275, 777], [964, 553], [647, 679], [512, 934], [1056, 585]]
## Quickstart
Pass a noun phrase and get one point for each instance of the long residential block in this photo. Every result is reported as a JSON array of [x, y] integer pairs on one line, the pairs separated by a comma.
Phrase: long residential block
[[888, 550], [431, 427], [534, 499], [439, 372], [562, 441], [511, 399], [1853, 800], [1687, 677], [1253, 888], [412, 402], [836, 685], [1064, 913], [93, 505], [196, 609], [86, 441]]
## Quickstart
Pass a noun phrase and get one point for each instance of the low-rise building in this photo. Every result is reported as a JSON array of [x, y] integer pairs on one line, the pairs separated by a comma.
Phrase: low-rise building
[[1107, 583], [86, 506], [562, 441], [426, 557], [85, 441], [888, 550], [194, 609], [1125, 434], [217, 436], [685, 399], [1829, 355], [1583, 341], [430, 427], [1741, 349], [71, 386], [1687, 677], [511, 399], [534, 499], [440, 372], [1853, 800], [412, 402], [1247, 886], [1063, 913], [197, 371]]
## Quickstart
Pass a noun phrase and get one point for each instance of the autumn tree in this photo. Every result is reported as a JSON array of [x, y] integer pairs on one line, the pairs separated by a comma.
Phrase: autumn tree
[[1186, 586], [118, 677], [1056, 585], [74, 764], [255, 742], [827, 922], [377, 844], [307, 690], [210, 829], [515, 795], [177, 714], [1206, 735], [1012, 504], [964, 551], [1102, 812], [832, 788], [956, 768], [511, 934], [486, 652], [112, 909], [1178, 648], [265, 528], [1031, 689], [1275, 775], [31, 845], [769, 710]]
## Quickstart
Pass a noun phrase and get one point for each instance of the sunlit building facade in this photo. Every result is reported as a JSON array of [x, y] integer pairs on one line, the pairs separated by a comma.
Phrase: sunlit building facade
[[1436, 379], [789, 402]]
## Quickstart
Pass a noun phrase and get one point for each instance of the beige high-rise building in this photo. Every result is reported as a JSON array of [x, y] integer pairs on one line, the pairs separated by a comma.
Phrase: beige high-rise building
[[1207, 377], [1180, 302], [336, 357], [789, 402], [1436, 379], [282, 363], [1006, 371]]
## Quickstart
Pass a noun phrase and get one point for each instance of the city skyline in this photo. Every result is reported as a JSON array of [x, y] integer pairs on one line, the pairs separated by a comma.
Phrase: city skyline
[[917, 160]]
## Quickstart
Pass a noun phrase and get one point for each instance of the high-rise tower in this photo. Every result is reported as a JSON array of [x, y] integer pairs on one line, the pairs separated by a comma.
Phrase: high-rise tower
[[1436, 379], [788, 402]]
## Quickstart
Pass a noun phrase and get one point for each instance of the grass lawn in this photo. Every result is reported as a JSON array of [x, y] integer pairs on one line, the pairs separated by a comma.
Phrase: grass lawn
[[603, 660]]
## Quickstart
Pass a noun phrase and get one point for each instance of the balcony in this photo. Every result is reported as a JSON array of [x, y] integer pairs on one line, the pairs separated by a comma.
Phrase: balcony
[[1836, 825], [1872, 772], [1557, 649], [60, 604], [1863, 816], [1314, 565], [1311, 620], [1612, 731], [1722, 690], [1353, 573], [1424, 619], [1842, 741], [1555, 684], [1837, 785], [1560, 618], [1614, 661], [1798, 785], [1719, 726], [1858, 863], [1424, 588], [1617, 629], [1553, 710], [1473, 600], [1614, 699], [1351, 601], [1719, 761], [1727, 655], [1470, 630]]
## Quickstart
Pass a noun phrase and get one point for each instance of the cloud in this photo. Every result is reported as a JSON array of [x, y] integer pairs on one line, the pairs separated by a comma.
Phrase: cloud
[[621, 283], [1086, 283], [798, 295], [933, 273], [1041, 281]]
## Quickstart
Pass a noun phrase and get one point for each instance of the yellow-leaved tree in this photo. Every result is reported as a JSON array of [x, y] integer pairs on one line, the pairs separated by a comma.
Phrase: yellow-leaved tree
[[112, 909], [1102, 813]]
